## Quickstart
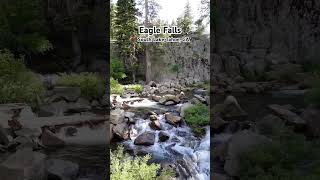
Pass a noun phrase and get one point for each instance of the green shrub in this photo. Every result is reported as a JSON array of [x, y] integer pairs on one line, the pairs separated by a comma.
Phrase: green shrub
[[289, 157], [124, 167], [117, 69], [92, 85], [136, 87], [17, 83], [115, 87], [196, 117]]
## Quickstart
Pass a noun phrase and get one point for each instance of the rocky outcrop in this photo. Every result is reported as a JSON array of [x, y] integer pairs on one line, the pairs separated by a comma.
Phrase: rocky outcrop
[[24, 164], [240, 143], [250, 37]]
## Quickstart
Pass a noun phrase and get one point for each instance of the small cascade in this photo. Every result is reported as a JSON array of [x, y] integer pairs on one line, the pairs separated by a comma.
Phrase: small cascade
[[189, 155]]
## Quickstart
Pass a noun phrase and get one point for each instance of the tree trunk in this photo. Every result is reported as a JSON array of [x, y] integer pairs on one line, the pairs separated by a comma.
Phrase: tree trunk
[[75, 43], [147, 60]]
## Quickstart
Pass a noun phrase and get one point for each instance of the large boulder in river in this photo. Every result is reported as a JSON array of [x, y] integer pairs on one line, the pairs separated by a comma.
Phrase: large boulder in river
[[312, 115], [155, 125], [288, 116], [172, 119], [121, 130], [172, 98], [145, 139], [239, 144], [25, 164], [163, 136], [117, 116], [61, 170], [50, 139], [70, 94], [269, 125]]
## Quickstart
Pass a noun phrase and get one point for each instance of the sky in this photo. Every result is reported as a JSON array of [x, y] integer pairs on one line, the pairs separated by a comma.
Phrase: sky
[[172, 9]]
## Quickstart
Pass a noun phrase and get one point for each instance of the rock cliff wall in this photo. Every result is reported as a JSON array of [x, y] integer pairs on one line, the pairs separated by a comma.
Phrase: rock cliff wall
[[252, 35]]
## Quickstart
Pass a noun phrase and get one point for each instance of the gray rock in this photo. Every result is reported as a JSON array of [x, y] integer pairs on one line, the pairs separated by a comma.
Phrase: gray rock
[[287, 115], [25, 164], [61, 170], [163, 136], [70, 94], [117, 116], [145, 139], [155, 125], [172, 119], [122, 130], [240, 143], [50, 139]]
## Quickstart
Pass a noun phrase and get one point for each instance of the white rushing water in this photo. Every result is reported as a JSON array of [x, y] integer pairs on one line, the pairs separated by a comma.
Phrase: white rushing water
[[189, 155]]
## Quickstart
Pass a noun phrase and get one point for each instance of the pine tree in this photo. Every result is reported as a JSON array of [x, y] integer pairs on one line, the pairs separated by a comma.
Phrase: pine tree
[[185, 21], [126, 31]]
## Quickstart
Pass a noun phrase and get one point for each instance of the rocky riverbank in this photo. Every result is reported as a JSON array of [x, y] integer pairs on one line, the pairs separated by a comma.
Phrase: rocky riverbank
[[153, 123], [63, 118]]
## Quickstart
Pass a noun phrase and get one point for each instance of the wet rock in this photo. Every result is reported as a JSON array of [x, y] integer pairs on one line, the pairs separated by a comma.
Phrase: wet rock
[[287, 115], [122, 130], [240, 143], [155, 125], [163, 136], [71, 131], [117, 116], [153, 117], [311, 115], [250, 87], [61, 170], [24, 164], [145, 139], [172, 119], [289, 93], [3, 136], [70, 94], [50, 139]]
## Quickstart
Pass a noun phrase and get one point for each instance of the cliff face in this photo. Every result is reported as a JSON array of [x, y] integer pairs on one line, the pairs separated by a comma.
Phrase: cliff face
[[188, 61], [251, 35]]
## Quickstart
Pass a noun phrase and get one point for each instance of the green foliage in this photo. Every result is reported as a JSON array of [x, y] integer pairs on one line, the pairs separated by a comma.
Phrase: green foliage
[[196, 117], [185, 21], [289, 156], [115, 87], [117, 69], [22, 27], [136, 87], [124, 167], [92, 85], [17, 83]]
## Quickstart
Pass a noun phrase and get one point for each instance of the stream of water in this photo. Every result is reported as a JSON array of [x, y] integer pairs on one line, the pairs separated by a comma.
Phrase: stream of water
[[189, 155]]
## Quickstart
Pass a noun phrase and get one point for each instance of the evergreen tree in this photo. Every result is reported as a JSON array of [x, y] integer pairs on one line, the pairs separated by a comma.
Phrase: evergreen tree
[[126, 32], [22, 27], [185, 21]]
